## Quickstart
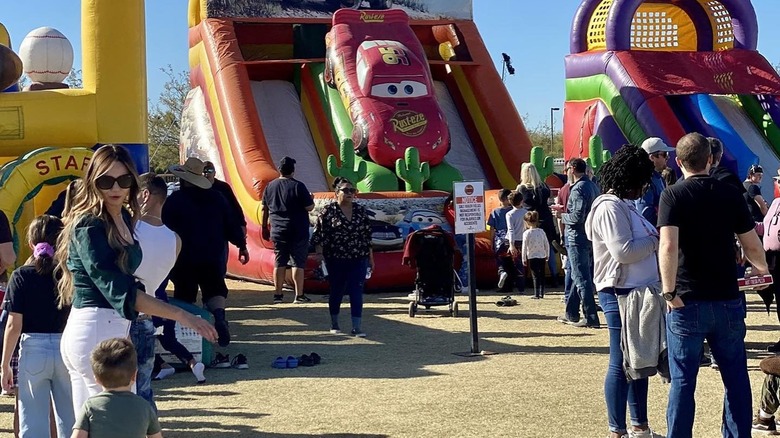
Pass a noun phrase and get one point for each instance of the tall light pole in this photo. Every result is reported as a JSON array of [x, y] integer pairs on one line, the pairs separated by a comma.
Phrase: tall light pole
[[552, 127]]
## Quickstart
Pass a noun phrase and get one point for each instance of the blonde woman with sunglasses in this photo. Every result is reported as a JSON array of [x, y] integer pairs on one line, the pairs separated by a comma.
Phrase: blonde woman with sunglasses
[[96, 257]]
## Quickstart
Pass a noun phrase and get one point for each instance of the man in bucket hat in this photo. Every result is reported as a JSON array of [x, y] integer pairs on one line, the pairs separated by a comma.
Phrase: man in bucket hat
[[286, 205], [203, 220]]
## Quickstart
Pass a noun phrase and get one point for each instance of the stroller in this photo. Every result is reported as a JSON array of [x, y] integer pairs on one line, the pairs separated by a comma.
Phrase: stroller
[[433, 253]]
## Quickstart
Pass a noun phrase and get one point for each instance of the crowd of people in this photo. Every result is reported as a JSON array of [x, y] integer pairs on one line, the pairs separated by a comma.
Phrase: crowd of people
[[663, 258]]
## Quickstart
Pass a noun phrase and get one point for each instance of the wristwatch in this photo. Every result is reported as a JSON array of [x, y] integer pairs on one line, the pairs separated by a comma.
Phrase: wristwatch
[[669, 296]]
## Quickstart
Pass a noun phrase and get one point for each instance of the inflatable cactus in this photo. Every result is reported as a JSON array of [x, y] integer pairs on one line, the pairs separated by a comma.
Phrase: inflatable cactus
[[597, 156], [350, 169], [543, 164], [412, 171]]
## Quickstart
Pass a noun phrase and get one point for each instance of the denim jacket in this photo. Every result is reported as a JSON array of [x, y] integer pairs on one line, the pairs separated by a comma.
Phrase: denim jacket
[[581, 198], [647, 205]]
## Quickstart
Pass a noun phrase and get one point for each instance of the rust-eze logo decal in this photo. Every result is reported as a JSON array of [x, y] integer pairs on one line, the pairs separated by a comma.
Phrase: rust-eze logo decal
[[372, 17], [409, 123]]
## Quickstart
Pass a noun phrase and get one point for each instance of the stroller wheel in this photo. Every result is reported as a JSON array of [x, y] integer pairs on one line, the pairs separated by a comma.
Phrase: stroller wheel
[[412, 309], [454, 310]]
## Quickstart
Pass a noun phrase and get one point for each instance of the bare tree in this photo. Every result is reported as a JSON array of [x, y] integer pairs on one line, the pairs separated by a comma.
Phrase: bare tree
[[165, 120]]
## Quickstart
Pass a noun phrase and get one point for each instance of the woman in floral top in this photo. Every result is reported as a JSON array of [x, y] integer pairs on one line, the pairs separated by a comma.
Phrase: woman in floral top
[[342, 237]]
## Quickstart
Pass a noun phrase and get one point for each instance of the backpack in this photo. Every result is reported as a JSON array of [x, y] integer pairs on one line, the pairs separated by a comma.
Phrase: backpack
[[772, 227]]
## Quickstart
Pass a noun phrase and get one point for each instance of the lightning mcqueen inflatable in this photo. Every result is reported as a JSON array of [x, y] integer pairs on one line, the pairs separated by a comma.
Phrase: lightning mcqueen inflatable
[[379, 68]]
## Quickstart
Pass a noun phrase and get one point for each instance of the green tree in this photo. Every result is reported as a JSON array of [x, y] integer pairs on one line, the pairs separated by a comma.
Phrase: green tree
[[165, 120], [540, 136]]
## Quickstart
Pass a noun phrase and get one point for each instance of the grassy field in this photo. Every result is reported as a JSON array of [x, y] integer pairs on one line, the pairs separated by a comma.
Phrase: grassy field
[[405, 380]]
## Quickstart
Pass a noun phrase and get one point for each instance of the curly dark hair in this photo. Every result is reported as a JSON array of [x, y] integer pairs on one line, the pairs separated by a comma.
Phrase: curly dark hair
[[627, 172]]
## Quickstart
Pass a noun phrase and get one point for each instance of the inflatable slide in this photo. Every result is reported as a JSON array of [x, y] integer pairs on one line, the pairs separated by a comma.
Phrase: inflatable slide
[[48, 131], [363, 93], [640, 68]]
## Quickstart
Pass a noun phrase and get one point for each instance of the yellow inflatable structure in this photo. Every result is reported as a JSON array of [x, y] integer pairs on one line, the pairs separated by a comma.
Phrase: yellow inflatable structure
[[68, 123]]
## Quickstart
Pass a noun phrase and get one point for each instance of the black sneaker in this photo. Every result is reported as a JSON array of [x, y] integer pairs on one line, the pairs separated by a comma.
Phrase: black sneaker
[[764, 424], [239, 362], [705, 361], [278, 298], [774, 348], [302, 299], [221, 361], [223, 332], [583, 323], [358, 333]]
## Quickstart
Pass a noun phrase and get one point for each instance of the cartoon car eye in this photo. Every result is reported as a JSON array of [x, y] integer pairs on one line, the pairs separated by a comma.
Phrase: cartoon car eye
[[392, 89], [428, 220], [414, 89]]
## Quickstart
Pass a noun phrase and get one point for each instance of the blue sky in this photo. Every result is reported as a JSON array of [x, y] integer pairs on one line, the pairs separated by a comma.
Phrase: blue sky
[[534, 33]]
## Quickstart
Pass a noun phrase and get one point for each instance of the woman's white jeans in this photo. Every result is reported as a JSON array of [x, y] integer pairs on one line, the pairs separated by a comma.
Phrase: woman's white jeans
[[85, 329]]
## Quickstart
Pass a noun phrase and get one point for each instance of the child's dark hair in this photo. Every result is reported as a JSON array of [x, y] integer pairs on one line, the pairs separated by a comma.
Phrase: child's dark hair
[[503, 194], [339, 181], [42, 236], [532, 218], [154, 184], [516, 198], [114, 362]]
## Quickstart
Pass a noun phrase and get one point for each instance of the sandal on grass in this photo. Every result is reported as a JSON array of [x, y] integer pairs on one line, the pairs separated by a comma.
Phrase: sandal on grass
[[507, 301]]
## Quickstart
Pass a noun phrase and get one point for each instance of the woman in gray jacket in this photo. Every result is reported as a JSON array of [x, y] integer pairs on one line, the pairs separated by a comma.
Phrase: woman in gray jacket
[[624, 247]]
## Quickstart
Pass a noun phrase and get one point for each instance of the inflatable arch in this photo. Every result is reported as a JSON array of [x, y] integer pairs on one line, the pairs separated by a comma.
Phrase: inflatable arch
[[22, 179]]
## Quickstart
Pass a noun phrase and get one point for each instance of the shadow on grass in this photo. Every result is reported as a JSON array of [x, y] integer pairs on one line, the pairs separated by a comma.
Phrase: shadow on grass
[[394, 349]]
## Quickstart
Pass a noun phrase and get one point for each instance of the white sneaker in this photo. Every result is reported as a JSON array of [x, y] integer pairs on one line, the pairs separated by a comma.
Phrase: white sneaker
[[502, 279], [197, 370], [165, 372], [640, 433], [465, 290], [412, 296]]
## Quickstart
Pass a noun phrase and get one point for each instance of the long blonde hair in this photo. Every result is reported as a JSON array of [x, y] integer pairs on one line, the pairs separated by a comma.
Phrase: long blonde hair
[[88, 200], [529, 176]]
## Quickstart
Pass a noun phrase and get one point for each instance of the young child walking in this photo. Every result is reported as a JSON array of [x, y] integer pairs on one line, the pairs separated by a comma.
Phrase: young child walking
[[514, 234], [116, 412], [497, 223], [536, 250], [33, 315]]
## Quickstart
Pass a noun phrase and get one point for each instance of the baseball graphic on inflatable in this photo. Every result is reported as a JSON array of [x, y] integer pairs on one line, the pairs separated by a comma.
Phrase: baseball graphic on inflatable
[[47, 55]]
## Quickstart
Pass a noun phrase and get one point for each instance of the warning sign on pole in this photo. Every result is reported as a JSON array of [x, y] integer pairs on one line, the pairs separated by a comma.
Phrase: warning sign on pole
[[469, 207]]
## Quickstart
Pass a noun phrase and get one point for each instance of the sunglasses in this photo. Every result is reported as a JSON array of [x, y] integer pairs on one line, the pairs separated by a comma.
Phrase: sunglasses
[[348, 190], [209, 171], [660, 154], [106, 182]]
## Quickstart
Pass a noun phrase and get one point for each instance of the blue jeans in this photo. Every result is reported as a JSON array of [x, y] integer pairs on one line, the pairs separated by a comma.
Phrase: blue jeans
[[581, 261], [552, 263], [617, 389], [143, 338], [722, 324], [568, 284], [346, 277], [43, 377]]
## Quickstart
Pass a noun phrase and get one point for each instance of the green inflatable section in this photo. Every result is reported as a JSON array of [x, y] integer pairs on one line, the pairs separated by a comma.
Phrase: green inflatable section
[[601, 87], [761, 119], [442, 177], [378, 178]]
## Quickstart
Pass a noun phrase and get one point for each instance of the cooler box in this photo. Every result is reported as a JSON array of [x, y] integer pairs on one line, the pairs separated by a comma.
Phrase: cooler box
[[200, 348]]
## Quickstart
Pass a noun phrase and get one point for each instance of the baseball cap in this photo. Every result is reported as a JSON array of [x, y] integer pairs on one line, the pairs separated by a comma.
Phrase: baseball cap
[[655, 144]]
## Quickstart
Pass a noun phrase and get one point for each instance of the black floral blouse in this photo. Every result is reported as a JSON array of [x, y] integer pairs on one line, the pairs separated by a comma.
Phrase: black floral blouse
[[342, 238]]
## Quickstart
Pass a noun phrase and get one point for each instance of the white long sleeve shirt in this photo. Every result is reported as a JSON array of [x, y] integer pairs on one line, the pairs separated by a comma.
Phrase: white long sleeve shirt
[[515, 223], [535, 244]]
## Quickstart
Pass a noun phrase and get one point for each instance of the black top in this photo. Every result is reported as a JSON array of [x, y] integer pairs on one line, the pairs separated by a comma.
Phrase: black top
[[723, 174], [205, 222], [708, 213], [287, 199], [34, 296], [5, 237], [340, 237], [58, 205], [536, 199], [751, 191], [226, 191]]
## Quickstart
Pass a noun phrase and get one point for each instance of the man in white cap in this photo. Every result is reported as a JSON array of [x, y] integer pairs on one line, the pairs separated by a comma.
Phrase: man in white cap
[[659, 155]]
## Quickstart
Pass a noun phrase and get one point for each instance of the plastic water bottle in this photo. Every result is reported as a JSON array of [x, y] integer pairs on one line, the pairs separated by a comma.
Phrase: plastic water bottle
[[368, 273], [324, 269]]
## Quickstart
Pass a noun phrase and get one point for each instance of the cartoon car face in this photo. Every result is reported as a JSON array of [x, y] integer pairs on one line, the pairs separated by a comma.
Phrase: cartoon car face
[[420, 218], [387, 87], [385, 235]]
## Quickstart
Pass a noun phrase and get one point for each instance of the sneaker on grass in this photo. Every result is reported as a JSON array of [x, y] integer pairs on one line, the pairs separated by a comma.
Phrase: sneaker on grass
[[765, 424], [239, 362], [301, 299], [198, 370], [358, 333], [221, 361], [502, 279], [278, 298]]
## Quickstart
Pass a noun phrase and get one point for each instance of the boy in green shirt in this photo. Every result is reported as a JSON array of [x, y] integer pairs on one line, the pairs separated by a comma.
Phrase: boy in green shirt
[[116, 412]]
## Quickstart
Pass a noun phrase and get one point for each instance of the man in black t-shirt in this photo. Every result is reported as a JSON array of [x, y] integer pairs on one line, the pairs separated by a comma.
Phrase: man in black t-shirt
[[286, 204], [7, 253], [698, 219], [755, 201], [209, 171]]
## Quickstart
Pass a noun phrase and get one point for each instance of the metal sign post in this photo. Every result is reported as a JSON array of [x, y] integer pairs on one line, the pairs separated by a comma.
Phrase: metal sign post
[[469, 200]]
